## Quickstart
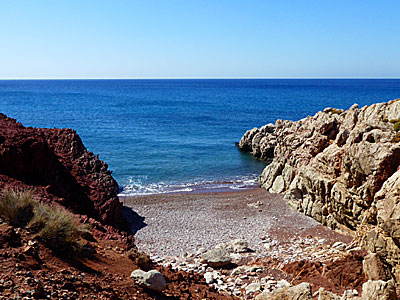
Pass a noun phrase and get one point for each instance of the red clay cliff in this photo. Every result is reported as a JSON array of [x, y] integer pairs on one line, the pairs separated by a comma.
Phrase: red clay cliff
[[58, 167]]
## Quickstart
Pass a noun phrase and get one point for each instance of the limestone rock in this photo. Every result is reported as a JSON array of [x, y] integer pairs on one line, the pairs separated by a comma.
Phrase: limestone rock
[[326, 295], [252, 288], [216, 258], [260, 142], [298, 292], [153, 279], [341, 168], [210, 277], [235, 246], [374, 268], [379, 290], [350, 294]]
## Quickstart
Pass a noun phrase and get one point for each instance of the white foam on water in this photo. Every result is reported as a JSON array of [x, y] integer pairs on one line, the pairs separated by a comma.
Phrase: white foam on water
[[137, 186]]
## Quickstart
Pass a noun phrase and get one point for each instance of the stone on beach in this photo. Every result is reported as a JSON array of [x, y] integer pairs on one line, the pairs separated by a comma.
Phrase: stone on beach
[[235, 246], [153, 279], [216, 258]]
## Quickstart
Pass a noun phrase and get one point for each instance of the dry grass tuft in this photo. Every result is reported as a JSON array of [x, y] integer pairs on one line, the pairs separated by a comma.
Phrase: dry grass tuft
[[142, 260], [17, 206], [57, 228], [54, 225]]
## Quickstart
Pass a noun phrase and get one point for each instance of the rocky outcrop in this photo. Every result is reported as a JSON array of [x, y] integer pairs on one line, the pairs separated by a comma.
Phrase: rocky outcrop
[[341, 168], [260, 142], [57, 166], [379, 290]]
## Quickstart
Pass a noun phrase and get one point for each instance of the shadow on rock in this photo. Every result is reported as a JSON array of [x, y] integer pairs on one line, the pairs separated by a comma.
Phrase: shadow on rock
[[134, 220]]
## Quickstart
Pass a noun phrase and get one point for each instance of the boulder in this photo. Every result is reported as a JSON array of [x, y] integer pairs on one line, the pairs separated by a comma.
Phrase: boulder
[[152, 280], [301, 291], [379, 290], [216, 258]]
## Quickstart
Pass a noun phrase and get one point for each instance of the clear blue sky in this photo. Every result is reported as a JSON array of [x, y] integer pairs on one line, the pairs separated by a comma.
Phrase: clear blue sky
[[204, 38]]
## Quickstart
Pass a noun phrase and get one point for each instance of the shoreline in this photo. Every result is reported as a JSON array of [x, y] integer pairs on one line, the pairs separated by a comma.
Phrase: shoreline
[[188, 221], [193, 188]]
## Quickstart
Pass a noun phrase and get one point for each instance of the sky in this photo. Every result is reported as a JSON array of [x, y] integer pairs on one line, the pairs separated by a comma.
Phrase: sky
[[199, 39]]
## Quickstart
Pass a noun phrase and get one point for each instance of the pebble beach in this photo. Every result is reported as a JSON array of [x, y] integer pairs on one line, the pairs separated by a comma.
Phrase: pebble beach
[[178, 223]]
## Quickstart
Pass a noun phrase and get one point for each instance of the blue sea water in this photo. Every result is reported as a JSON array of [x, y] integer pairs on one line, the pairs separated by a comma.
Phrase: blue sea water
[[178, 135]]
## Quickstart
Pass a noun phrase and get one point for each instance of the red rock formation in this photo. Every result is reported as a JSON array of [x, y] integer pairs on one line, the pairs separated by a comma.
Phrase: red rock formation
[[56, 164]]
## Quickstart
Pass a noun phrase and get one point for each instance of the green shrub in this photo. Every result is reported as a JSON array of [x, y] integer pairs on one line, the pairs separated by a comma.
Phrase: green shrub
[[396, 138], [17, 206], [57, 228], [396, 126]]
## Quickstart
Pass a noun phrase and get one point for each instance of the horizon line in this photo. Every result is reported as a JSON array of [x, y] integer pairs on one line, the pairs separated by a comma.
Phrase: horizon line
[[186, 78]]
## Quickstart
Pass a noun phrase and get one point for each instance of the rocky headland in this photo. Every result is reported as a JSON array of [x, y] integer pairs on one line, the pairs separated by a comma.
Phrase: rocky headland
[[341, 167]]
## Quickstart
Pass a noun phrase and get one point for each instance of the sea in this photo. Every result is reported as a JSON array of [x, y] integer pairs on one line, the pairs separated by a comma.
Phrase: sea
[[178, 136]]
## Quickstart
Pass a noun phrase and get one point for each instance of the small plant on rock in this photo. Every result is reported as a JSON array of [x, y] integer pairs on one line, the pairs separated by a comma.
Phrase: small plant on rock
[[57, 228], [142, 260], [396, 126], [17, 206], [396, 138]]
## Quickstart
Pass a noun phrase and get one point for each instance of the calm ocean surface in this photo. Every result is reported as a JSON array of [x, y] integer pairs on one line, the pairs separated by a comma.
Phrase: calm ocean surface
[[178, 135]]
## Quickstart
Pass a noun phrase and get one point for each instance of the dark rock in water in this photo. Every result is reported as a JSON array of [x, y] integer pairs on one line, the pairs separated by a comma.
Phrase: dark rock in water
[[58, 167]]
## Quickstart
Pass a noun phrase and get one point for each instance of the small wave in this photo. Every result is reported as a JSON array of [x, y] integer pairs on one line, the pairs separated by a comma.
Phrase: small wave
[[137, 187]]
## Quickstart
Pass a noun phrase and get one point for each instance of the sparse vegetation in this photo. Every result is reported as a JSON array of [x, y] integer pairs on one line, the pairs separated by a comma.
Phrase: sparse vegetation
[[17, 206], [396, 124], [396, 138], [54, 225], [142, 260]]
